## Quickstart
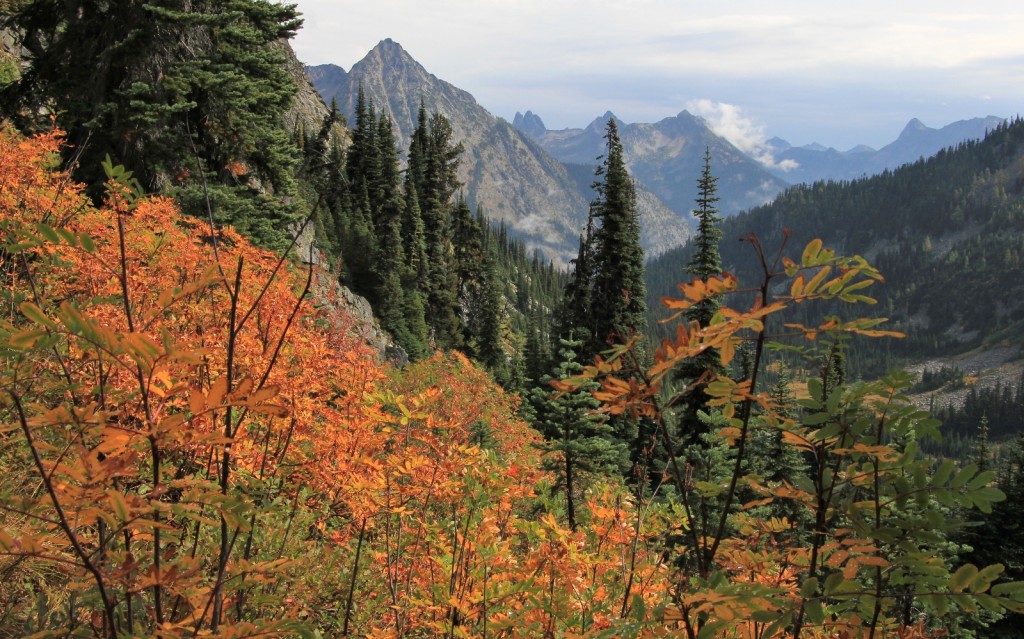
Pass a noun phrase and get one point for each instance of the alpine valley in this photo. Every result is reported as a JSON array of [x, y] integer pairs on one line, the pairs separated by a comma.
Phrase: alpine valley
[[302, 352]]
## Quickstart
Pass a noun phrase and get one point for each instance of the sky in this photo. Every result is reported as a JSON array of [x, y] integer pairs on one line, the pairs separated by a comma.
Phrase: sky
[[834, 73]]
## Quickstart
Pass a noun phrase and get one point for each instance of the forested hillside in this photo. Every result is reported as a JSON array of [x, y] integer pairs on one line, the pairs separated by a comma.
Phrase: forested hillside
[[948, 234]]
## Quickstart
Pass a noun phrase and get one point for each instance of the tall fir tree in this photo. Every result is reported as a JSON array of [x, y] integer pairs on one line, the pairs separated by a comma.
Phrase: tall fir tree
[[604, 303], [433, 167], [575, 313], [323, 167], [389, 262], [705, 263], [618, 292]]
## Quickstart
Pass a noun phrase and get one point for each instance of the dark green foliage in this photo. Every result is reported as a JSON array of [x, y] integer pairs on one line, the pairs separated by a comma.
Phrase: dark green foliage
[[706, 262], [776, 461], [323, 170], [1000, 536], [576, 311], [949, 376], [579, 443], [432, 175], [174, 91], [618, 293], [1000, 405], [604, 302]]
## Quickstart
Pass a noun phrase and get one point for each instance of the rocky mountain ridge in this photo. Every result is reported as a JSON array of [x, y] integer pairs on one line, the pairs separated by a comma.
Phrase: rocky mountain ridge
[[816, 162], [505, 172]]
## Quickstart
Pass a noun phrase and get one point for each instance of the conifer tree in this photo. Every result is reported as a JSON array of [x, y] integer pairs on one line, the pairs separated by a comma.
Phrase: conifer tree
[[773, 459], [414, 240], [323, 166], [575, 312], [389, 262], [578, 441], [490, 316], [705, 263], [604, 302], [618, 291], [981, 452], [171, 90], [433, 166]]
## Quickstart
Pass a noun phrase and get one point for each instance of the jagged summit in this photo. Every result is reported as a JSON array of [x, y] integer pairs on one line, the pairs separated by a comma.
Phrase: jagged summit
[[390, 53], [529, 123]]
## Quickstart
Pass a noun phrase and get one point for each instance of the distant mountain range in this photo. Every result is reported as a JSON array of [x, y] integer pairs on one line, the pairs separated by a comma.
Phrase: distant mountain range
[[815, 162], [666, 157], [505, 172]]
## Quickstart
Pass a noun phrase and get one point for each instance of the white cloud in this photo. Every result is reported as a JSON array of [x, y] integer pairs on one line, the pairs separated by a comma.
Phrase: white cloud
[[747, 135]]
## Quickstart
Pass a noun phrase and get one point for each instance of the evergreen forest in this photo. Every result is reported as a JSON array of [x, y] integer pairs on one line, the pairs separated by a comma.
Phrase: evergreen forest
[[197, 438]]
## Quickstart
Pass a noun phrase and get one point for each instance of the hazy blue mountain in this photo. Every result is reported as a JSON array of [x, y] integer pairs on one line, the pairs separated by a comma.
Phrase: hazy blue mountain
[[667, 157], [816, 162], [505, 171]]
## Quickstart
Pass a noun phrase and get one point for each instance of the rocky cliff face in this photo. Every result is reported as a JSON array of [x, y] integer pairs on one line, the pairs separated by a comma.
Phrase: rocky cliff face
[[307, 111]]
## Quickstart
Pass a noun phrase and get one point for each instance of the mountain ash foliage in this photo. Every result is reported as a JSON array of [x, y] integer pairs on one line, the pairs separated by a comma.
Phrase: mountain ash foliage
[[190, 449]]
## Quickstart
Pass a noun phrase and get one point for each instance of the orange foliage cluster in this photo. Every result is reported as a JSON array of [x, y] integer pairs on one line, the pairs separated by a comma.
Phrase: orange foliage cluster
[[194, 449], [189, 447]]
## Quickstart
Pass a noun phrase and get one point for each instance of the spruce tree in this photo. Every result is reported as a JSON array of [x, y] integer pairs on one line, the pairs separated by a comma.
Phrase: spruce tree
[[389, 263], [575, 312], [604, 303], [433, 166], [618, 292], [776, 461], [578, 443], [490, 317], [705, 263]]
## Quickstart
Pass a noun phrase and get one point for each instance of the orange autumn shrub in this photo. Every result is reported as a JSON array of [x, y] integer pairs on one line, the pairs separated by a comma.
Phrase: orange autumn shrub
[[191, 447]]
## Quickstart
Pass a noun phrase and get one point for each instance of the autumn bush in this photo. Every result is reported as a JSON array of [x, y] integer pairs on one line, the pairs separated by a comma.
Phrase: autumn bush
[[191, 447]]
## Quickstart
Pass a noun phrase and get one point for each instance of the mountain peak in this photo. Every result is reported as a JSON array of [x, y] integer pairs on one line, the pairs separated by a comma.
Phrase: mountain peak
[[391, 54], [914, 127], [388, 44], [601, 122], [530, 124]]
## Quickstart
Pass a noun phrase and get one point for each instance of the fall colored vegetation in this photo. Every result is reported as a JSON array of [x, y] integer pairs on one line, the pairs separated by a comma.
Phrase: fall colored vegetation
[[190, 447]]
